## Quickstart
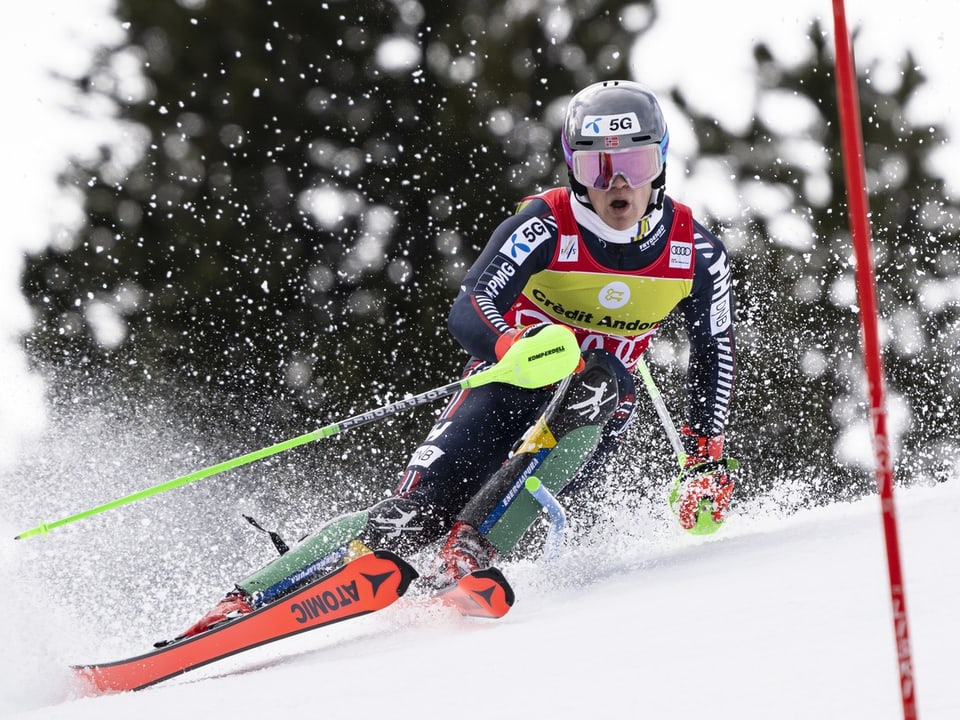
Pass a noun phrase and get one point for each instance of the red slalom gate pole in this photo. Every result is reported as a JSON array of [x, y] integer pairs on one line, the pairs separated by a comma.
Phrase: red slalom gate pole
[[852, 146]]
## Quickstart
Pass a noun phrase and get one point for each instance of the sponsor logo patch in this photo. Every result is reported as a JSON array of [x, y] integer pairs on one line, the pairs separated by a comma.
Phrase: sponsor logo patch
[[721, 316], [681, 255], [497, 275], [425, 456], [614, 295], [527, 238], [609, 125], [569, 248]]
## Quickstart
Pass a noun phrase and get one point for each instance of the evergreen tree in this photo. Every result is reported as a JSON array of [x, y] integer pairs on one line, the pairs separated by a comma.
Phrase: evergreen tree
[[800, 376], [309, 182]]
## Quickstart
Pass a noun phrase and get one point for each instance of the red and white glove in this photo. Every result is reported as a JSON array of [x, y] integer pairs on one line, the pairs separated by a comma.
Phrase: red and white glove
[[712, 484], [700, 448]]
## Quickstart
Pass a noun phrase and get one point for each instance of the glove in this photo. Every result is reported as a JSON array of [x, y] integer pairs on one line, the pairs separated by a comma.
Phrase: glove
[[700, 448], [704, 490]]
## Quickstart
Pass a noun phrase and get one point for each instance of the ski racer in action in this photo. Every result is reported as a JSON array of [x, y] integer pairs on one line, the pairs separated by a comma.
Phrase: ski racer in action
[[609, 256]]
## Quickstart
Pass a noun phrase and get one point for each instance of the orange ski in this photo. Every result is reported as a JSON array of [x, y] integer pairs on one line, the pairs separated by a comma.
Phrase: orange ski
[[482, 593], [369, 583]]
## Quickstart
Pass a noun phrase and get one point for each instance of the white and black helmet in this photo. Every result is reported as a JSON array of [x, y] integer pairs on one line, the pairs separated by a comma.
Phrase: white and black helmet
[[605, 125]]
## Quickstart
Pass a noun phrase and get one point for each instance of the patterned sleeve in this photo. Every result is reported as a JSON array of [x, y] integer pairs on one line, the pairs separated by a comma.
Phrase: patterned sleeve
[[708, 316], [521, 246]]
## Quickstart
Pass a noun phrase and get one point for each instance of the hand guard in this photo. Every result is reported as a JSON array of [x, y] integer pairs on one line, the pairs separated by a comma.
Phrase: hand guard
[[506, 341], [701, 494]]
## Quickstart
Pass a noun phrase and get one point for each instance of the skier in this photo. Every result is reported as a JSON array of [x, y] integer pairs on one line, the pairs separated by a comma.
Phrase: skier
[[609, 256]]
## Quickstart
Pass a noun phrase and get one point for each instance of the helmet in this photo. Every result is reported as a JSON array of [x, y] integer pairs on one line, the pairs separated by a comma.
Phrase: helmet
[[611, 116]]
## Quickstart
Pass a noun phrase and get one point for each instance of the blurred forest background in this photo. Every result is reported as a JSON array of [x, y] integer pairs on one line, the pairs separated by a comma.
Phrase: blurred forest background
[[301, 186]]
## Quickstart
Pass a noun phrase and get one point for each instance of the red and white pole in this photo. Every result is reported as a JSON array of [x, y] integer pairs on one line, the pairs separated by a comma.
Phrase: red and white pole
[[852, 145]]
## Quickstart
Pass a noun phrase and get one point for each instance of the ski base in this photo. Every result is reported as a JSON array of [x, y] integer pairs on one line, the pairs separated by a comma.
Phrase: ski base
[[367, 584]]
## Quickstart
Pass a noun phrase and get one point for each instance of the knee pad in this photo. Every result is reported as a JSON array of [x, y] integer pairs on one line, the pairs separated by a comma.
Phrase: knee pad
[[593, 395]]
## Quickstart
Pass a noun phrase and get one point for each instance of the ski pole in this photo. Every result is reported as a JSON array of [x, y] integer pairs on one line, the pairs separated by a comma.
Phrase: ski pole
[[705, 524], [661, 407], [673, 436], [533, 361]]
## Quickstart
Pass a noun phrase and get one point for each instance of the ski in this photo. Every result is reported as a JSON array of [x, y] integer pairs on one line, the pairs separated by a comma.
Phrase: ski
[[483, 593], [365, 585]]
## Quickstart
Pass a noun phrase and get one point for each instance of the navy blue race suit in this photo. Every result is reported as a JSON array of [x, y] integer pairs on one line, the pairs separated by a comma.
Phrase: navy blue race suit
[[479, 427]]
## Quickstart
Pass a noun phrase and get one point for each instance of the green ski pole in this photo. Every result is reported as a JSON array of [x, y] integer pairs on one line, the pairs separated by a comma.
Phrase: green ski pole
[[661, 407], [705, 524], [533, 361]]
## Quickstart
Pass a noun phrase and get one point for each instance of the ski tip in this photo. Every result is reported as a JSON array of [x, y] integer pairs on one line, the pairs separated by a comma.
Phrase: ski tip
[[90, 681], [369, 583]]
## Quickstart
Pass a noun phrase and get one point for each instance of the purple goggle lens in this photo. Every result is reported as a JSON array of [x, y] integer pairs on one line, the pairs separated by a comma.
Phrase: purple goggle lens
[[597, 169]]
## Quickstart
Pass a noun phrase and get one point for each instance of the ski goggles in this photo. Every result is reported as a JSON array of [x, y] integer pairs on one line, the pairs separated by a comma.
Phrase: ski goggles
[[597, 169]]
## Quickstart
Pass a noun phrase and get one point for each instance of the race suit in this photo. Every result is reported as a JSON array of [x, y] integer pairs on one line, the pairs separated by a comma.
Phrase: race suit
[[551, 262]]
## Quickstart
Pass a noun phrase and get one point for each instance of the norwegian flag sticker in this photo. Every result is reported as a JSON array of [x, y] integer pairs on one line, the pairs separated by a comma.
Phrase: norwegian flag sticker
[[611, 141]]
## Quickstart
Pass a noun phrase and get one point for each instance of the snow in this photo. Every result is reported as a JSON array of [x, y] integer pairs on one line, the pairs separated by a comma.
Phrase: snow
[[786, 617]]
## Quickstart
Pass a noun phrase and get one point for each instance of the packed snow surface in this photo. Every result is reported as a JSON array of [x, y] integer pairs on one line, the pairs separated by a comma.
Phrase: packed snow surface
[[786, 617]]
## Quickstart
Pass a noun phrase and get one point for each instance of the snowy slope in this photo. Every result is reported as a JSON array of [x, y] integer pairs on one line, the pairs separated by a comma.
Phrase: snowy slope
[[773, 618]]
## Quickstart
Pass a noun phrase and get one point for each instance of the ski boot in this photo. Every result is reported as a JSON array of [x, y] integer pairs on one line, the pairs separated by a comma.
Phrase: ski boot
[[464, 552]]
